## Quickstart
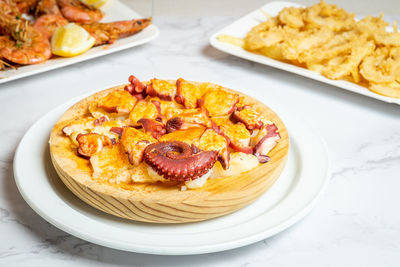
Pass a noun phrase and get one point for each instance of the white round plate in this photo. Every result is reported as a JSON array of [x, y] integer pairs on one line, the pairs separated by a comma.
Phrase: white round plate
[[288, 200]]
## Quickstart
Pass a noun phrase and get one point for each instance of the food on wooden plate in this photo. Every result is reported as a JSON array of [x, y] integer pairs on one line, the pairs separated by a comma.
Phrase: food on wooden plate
[[328, 40], [24, 41], [188, 148], [180, 143]]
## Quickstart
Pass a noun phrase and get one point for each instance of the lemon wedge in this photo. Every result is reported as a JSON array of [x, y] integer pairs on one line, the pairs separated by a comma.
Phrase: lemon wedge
[[71, 40], [95, 3]]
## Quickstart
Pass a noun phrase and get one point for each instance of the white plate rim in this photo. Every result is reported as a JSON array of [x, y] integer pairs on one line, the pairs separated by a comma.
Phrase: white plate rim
[[239, 52], [148, 34], [165, 250]]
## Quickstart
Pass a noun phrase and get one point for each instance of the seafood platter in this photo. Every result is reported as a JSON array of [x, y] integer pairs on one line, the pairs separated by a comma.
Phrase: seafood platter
[[38, 36], [321, 42]]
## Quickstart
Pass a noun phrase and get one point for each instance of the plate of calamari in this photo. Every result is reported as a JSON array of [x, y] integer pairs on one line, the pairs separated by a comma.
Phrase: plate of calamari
[[322, 42], [42, 35]]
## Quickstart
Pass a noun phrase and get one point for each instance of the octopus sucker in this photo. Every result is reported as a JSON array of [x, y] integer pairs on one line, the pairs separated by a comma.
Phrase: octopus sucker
[[177, 161]]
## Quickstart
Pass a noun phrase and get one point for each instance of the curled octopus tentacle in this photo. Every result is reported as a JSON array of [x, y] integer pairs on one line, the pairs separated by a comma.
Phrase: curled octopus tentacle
[[178, 161]]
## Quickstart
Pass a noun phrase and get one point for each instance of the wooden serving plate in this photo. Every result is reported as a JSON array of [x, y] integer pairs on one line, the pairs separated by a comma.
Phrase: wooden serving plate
[[158, 202]]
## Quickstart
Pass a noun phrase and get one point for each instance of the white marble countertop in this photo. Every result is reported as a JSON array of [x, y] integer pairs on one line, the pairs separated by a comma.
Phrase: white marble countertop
[[355, 223]]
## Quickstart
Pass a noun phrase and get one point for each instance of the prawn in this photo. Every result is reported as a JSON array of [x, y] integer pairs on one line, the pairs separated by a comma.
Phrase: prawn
[[47, 24], [107, 33], [8, 8], [76, 11], [4, 64], [26, 6], [35, 49], [47, 7], [22, 44], [104, 33]]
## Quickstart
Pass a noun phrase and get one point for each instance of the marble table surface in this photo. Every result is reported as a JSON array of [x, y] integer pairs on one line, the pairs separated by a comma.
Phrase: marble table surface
[[355, 223]]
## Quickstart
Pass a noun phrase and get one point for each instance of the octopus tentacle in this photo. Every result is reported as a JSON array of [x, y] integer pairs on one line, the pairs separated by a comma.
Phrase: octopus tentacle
[[155, 128], [178, 161], [136, 88], [267, 138]]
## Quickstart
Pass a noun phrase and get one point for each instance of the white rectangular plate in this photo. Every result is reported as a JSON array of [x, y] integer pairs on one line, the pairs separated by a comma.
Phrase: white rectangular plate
[[243, 25], [114, 10]]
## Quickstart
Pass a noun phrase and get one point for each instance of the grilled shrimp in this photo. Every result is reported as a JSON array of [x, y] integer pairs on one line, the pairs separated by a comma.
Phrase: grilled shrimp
[[104, 33], [47, 7], [47, 24], [3, 42], [76, 11], [8, 8], [22, 44], [26, 6], [107, 33], [35, 49]]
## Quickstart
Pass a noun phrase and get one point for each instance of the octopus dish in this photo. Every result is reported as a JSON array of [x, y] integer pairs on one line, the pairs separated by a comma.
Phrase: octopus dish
[[167, 151]]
